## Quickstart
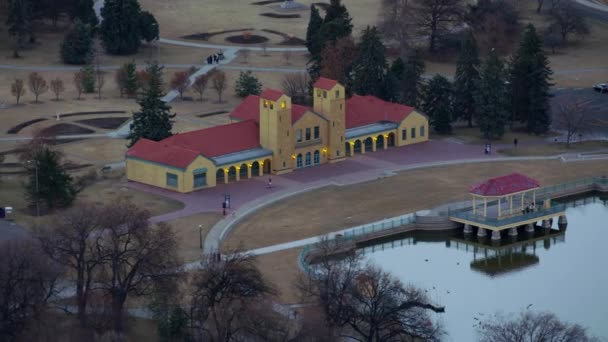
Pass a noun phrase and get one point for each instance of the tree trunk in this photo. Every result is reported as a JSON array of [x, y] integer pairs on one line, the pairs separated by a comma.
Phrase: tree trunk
[[81, 298], [540, 5], [470, 120], [118, 301]]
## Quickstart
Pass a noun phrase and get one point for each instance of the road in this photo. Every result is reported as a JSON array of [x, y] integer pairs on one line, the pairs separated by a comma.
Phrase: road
[[591, 9]]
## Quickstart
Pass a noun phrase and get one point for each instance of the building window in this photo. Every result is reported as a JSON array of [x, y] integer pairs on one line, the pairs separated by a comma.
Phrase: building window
[[287, 132], [340, 106], [265, 104], [337, 94], [283, 164], [200, 179], [172, 180], [413, 133], [317, 157], [299, 136], [421, 131], [318, 92], [271, 105], [338, 153], [404, 134], [307, 158], [324, 94], [299, 161], [316, 132], [283, 105], [342, 138], [280, 151], [308, 134], [333, 123]]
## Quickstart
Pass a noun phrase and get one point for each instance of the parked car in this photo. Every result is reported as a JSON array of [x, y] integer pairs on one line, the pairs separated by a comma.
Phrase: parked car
[[602, 87]]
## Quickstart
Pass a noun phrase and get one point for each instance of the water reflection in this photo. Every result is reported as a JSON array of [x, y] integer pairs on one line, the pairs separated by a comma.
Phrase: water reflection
[[472, 276]]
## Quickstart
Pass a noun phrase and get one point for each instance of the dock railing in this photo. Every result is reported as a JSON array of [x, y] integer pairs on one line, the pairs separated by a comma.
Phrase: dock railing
[[502, 221]]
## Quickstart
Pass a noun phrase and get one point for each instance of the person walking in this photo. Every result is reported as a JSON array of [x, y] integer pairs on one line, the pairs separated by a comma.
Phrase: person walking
[[269, 183], [515, 142]]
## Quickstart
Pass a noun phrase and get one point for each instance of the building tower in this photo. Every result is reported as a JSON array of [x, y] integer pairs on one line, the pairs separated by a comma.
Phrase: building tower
[[330, 101], [276, 129]]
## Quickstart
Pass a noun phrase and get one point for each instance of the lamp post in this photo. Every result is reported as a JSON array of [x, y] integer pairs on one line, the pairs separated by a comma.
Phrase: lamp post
[[32, 162], [200, 233]]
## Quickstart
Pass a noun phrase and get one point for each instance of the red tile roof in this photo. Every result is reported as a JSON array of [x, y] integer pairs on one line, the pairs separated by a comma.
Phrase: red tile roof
[[181, 149], [271, 94], [367, 110], [162, 153], [504, 185], [325, 83], [249, 109]]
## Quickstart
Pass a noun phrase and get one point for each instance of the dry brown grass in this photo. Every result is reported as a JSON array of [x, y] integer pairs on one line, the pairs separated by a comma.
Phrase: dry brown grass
[[189, 235], [334, 208], [558, 148], [281, 270], [474, 136]]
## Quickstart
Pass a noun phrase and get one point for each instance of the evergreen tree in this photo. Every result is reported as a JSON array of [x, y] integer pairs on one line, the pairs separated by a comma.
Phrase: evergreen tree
[[19, 22], [148, 26], [370, 65], [153, 121], [314, 25], [491, 98], [466, 80], [120, 28], [437, 96], [77, 46], [398, 68], [88, 78], [247, 84], [83, 10], [49, 184], [335, 11], [411, 82], [131, 80], [530, 77]]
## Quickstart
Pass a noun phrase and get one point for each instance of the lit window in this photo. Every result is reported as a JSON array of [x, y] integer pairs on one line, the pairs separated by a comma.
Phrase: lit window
[[404, 134], [283, 105], [265, 104], [413, 134], [316, 132], [299, 136], [308, 134], [172, 180], [421, 131]]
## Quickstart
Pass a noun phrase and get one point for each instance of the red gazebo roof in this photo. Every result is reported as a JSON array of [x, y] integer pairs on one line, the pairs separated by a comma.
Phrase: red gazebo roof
[[504, 185]]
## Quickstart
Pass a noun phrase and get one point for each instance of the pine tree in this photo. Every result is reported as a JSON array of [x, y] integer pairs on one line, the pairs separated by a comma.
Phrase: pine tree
[[83, 10], [19, 22], [131, 81], [370, 65], [466, 80], [120, 28], [88, 78], [411, 82], [314, 25], [49, 184], [247, 84], [437, 96], [335, 11], [77, 46], [530, 82], [153, 121], [148, 26], [491, 98]]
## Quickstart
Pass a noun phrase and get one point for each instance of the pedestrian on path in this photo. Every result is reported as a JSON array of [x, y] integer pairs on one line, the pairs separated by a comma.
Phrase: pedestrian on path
[[269, 183], [215, 59], [209, 60], [486, 149], [515, 142]]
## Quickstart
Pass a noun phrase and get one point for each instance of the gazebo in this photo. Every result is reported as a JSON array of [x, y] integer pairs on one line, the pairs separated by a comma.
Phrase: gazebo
[[505, 190]]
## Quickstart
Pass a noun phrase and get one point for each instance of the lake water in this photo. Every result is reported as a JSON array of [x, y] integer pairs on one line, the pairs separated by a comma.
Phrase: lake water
[[565, 272]]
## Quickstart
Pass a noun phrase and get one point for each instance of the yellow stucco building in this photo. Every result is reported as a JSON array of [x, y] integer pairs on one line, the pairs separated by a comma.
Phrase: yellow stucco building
[[273, 136]]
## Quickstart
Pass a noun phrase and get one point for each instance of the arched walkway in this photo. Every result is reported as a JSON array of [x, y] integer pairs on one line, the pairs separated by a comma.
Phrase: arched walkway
[[219, 176], [299, 162], [380, 142], [255, 169], [267, 166], [347, 149], [243, 172], [232, 174], [357, 147], [391, 140], [369, 143], [316, 158], [308, 159]]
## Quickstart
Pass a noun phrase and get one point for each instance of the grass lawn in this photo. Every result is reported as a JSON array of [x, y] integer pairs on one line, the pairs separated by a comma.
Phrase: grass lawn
[[334, 208], [281, 270], [189, 235], [474, 136], [556, 148]]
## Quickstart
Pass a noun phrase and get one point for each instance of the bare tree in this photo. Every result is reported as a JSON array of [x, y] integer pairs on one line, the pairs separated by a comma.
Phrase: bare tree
[[135, 256], [436, 17], [245, 56], [78, 82], [567, 20], [222, 291], [200, 84], [37, 84], [531, 327], [18, 89], [571, 117], [337, 59], [287, 56], [100, 81], [397, 22], [120, 77], [296, 85], [27, 282], [365, 303], [72, 243], [219, 83], [57, 87], [179, 82]]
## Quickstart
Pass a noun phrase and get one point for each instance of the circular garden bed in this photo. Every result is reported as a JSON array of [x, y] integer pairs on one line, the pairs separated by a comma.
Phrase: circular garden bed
[[247, 39]]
